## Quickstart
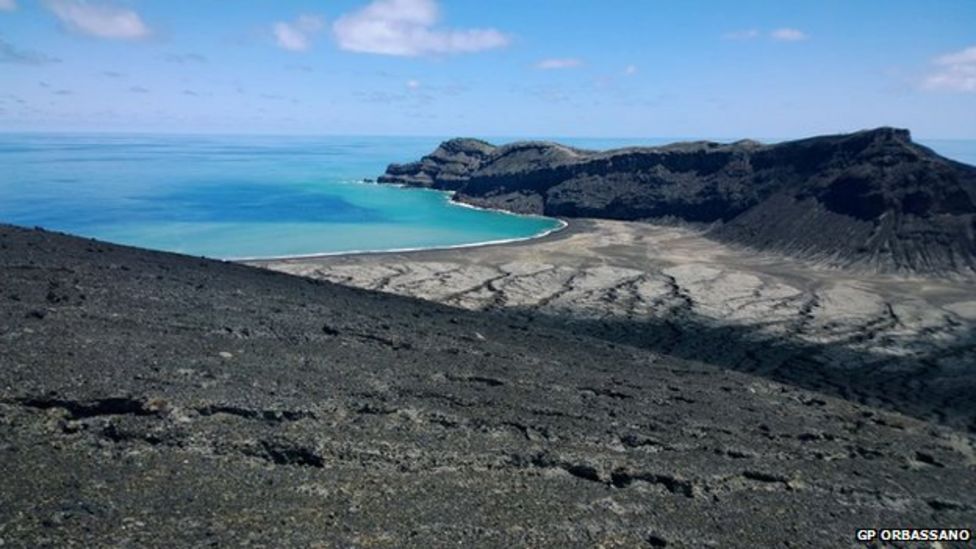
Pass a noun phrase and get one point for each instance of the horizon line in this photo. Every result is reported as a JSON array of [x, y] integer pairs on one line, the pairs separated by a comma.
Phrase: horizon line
[[768, 139]]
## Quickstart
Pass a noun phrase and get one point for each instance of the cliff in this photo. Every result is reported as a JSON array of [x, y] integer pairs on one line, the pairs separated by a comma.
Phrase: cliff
[[870, 199]]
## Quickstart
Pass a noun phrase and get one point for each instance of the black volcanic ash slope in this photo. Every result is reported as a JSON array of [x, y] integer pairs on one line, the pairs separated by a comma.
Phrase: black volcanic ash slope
[[157, 400], [872, 199]]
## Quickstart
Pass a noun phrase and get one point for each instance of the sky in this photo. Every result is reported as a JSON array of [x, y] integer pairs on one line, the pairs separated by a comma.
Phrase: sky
[[612, 68]]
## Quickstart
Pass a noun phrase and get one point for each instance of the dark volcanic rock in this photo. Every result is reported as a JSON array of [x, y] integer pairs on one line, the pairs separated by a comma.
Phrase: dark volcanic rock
[[872, 199], [187, 402], [445, 168]]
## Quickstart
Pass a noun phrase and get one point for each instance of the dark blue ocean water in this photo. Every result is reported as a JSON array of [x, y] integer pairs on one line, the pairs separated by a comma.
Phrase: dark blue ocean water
[[235, 197]]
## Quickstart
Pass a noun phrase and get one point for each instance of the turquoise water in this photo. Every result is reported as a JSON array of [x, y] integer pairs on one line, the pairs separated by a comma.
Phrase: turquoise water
[[237, 197], [242, 197]]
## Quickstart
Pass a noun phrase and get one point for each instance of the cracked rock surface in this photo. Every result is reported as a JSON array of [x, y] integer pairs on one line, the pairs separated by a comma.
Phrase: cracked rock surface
[[151, 399], [904, 343]]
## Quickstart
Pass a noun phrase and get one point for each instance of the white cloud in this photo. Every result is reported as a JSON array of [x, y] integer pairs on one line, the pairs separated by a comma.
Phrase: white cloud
[[98, 20], [8, 5], [956, 72], [964, 57], [630, 70], [407, 28], [413, 84], [560, 63], [747, 34], [290, 38], [297, 35], [788, 35]]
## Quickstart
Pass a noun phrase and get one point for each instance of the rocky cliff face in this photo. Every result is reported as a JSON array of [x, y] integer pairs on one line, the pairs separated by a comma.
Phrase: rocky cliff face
[[870, 199], [445, 168]]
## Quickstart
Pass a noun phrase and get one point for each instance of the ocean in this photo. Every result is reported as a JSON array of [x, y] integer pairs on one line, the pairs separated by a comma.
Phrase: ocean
[[235, 197]]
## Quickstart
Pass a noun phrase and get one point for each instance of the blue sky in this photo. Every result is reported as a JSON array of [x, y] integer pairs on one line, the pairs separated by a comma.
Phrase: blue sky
[[615, 68]]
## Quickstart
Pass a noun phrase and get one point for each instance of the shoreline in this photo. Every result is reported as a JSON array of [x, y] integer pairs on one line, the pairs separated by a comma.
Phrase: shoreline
[[449, 199], [564, 230]]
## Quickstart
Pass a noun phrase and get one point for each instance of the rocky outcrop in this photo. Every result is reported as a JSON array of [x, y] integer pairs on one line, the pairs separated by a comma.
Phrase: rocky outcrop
[[445, 168], [871, 199]]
